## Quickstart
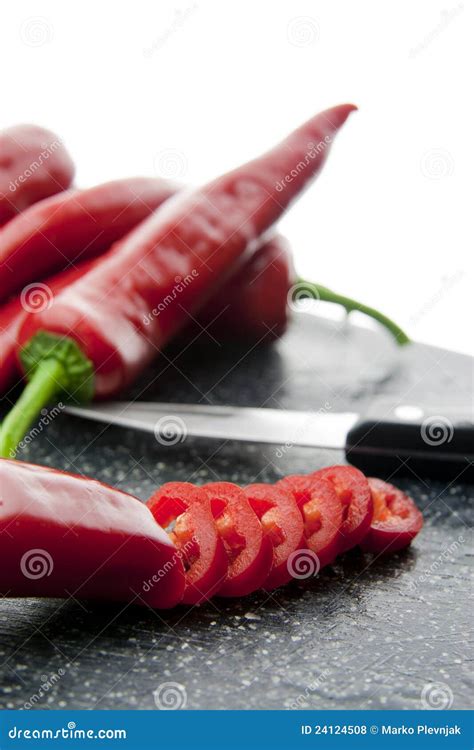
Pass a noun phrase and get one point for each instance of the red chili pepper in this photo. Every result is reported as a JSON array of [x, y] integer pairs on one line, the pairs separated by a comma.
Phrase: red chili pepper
[[14, 312], [353, 491], [249, 551], [195, 536], [322, 513], [34, 164], [101, 331], [283, 523], [65, 535], [396, 519], [253, 304], [73, 226]]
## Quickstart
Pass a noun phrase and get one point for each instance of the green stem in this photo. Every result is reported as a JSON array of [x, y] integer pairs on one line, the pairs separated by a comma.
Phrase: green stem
[[54, 366], [42, 388], [319, 292]]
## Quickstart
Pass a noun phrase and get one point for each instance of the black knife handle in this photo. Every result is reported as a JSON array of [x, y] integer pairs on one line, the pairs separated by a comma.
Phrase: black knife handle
[[420, 441]]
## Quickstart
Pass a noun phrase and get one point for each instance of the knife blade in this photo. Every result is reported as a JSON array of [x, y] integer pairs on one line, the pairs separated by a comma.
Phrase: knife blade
[[389, 438]]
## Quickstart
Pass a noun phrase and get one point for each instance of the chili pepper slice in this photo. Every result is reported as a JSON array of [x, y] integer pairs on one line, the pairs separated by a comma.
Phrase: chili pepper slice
[[34, 165], [100, 332], [195, 536], [396, 519], [73, 226], [354, 493], [322, 513], [249, 551], [282, 523], [63, 535]]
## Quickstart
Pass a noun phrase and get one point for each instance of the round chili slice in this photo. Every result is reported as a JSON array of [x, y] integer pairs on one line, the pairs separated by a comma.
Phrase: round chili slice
[[396, 519], [354, 493], [249, 550], [322, 513], [283, 523], [195, 536]]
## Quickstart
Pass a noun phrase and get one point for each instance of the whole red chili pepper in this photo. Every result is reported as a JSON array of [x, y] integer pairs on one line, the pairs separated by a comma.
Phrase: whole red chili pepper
[[254, 304], [251, 306], [64, 535], [34, 164], [14, 312], [73, 226], [101, 331]]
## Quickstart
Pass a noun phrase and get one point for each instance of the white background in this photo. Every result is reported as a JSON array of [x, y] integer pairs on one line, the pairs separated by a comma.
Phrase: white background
[[189, 89]]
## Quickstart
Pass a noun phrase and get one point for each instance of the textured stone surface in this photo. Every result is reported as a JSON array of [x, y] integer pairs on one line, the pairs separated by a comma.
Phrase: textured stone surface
[[363, 634]]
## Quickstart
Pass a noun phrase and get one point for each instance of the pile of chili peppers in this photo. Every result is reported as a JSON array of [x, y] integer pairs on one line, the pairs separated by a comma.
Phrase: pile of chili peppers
[[93, 284], [64, 535], [138, 260]]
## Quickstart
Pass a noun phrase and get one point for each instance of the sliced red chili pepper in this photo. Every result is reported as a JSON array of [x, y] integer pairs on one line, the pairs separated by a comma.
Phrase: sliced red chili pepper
[[396, 519], [195, 536], [249, 551], [322, 513], [282, 523], [353, 491]]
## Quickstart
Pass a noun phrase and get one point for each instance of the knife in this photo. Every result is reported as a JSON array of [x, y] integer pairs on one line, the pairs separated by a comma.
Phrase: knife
[[389, 438]]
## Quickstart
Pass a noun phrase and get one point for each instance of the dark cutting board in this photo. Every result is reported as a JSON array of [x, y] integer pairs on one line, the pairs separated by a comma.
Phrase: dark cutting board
[[360, 635]]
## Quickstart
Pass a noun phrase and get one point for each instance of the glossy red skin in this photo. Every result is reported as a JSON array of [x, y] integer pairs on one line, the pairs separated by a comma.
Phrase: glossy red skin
[[321, 511], [103, 543], [353, 490], [195, 536], [12, 316], [282, 522], [200, 236], [249, 551], [34, 165], [396, 520], [256, 307], [73, 226], [253, 304]]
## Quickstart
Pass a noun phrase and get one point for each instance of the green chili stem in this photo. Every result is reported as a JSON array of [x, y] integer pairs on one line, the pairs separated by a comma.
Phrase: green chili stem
[[327, 295], [45, 384], [54, 366]]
